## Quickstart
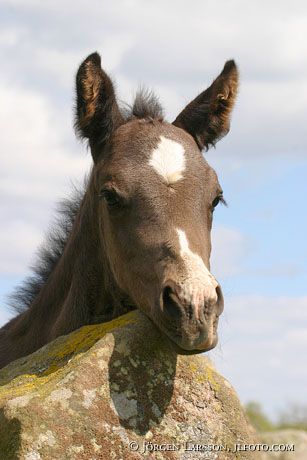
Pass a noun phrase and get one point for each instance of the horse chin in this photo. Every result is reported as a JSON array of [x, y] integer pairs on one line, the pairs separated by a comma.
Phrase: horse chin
[[186, 349], [185, 346]]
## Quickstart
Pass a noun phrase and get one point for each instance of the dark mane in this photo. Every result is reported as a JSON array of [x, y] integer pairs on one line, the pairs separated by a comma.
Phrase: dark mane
[[49, 252], [146, 105]]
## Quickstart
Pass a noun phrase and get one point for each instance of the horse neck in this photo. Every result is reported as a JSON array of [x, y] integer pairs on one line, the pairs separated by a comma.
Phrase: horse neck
[[80, 285], [80, 290]]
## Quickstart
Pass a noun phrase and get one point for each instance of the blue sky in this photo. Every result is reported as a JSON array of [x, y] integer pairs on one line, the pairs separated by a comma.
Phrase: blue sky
[[259, 243]]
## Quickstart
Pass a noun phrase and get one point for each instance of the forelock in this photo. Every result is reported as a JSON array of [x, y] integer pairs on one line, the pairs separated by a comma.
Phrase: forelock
[[146, 105]]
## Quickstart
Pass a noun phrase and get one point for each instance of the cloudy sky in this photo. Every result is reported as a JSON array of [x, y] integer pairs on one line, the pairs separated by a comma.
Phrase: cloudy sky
[[176, 48]]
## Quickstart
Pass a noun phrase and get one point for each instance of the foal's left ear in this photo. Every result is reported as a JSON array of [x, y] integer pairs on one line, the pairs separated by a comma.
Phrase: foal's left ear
[[207, 117], [97, 112]]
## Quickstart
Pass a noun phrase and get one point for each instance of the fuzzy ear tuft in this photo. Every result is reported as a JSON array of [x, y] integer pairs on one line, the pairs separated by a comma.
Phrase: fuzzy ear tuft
[[97, 112], [207, 117]]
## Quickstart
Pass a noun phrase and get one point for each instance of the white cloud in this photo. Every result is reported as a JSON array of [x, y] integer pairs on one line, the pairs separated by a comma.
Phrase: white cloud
[[19, 240], [62, 64], [36, 167], [35, 159], [263, 125], [269, 43], [10, 36]]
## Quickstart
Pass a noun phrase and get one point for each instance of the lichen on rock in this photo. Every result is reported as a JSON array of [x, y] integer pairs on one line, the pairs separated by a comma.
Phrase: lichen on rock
[[118, 390]]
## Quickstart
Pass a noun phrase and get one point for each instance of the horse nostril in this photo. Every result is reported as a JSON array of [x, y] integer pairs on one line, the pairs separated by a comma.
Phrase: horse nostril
[[170, 306], [220, 300], [212, 305]]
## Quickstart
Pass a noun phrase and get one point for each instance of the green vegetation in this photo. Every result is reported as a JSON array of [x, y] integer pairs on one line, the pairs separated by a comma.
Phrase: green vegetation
[[257, 417], [294, 417]]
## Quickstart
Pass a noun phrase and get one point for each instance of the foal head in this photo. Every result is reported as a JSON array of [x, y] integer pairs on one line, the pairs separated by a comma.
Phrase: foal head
[[157, 196]]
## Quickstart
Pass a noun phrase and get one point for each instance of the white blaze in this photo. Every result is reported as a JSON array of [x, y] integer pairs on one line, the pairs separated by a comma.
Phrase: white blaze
[[199, 284], [168, 160]]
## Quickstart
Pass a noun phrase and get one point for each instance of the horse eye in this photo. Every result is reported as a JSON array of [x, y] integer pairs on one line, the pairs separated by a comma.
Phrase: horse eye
[[216, 201], [110, 197]]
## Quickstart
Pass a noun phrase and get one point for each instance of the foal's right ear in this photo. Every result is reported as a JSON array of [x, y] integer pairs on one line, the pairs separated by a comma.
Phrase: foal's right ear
[[97, 112]]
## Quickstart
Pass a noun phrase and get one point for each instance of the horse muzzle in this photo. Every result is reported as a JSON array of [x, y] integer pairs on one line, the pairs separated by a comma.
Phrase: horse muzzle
[[189, 314]]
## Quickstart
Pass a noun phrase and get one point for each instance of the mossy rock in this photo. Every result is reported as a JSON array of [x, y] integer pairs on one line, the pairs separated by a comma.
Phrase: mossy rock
[[103, 390]]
